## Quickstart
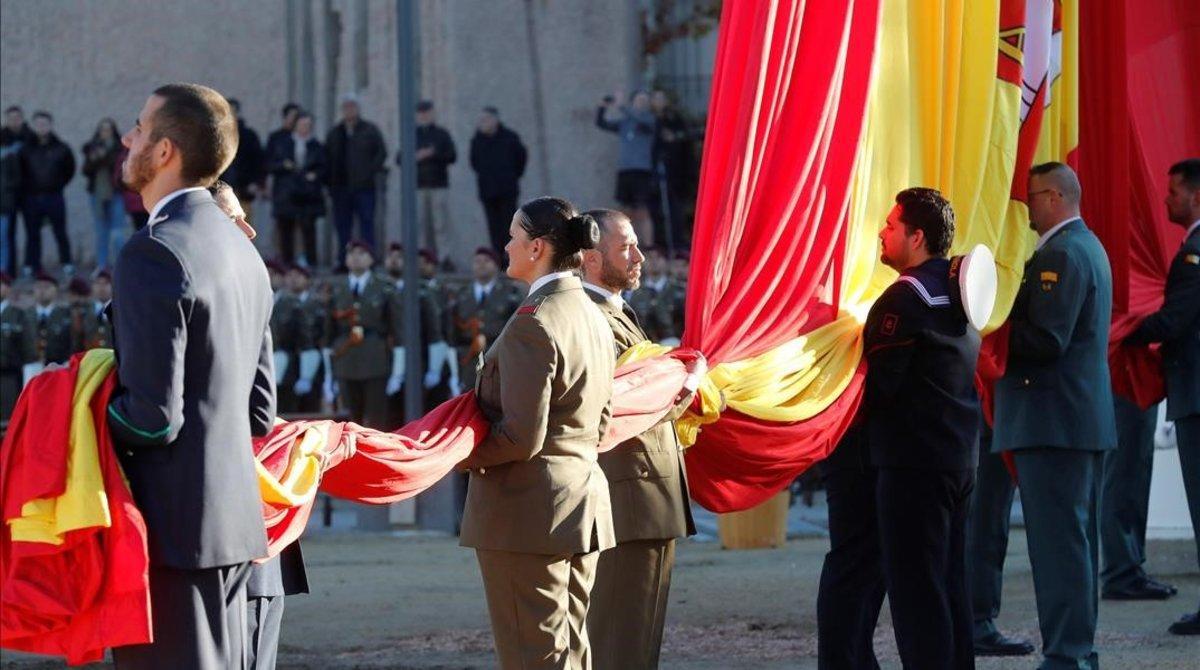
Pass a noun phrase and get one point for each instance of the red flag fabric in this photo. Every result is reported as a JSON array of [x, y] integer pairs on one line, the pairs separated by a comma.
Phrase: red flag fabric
[[91, 592], [1138, 116], [789, 89]]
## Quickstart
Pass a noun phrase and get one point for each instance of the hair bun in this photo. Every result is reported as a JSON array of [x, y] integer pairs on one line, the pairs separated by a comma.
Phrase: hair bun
[[583, 232]]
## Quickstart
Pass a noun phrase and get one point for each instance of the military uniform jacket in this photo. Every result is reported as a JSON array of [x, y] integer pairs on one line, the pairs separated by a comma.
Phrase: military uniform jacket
[[93, 328], [653, 307], [283, 322], [191, 324], [1177, 326], [495, 310], [431, 319], [647, 482], [920, 404], [18, 338], [546, 387], [370, 358], [308, 324], [55, 336], [1056, 390]]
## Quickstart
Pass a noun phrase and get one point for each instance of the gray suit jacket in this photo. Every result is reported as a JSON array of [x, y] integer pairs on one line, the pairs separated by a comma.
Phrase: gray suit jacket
[[192, 307]]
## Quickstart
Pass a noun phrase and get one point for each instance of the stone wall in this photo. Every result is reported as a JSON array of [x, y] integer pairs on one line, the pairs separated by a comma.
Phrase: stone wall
[[544, 63]]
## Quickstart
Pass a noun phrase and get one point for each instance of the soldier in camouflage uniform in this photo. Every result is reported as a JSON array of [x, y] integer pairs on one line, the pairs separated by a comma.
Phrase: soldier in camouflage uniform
[[307, 325], [54, 333], [18, 346], [358, 330], [479, 311], [97, 331]]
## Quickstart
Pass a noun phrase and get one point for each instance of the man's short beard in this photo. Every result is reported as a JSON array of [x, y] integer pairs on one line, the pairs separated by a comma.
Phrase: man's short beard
[[137, 167], [615, 277]]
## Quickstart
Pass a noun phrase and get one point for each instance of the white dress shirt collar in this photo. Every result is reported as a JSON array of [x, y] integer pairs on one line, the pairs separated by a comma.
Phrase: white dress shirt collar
[[1050, 233], [168, 198], [546, 279], [613, 299]]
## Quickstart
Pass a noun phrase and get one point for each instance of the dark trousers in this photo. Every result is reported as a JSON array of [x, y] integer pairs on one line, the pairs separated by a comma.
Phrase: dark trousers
[[288, 228], [1187, 437], [348, 204], [852, 588], [10, 243], [366, 400], [264, 617], [499, 213], [1125, 495], [922, 523], [987, 535], [198, 618], [39, 208], [1059, 493], [10, 390]]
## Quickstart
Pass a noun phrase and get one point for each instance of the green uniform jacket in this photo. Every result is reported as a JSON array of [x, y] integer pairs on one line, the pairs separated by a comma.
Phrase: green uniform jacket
[[546, 389], [1056, 390], [55, 335], [18, 338], [646, 478], [370, 358]]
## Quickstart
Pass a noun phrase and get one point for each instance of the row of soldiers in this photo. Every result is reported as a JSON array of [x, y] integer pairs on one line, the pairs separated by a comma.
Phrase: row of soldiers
[[343, 339], [37, 328]]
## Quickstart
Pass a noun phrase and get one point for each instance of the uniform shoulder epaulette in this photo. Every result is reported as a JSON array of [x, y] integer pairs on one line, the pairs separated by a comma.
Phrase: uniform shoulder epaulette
[[532, 307]]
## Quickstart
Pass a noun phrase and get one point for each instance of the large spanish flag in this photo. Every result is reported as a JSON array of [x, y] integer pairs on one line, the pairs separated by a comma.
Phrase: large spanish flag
[[960, 95]]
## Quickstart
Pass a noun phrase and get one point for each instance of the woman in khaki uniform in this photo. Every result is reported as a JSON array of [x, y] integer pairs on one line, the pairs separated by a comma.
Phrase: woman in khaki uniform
[[537, 510]]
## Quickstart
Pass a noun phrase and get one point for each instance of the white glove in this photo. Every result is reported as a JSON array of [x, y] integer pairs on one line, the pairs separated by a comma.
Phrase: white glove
[[399, 364], [310, 361], [439, 352], [455, 386], [281, 366], [29, 371], [330, 391], [302, 387], [669, 342]]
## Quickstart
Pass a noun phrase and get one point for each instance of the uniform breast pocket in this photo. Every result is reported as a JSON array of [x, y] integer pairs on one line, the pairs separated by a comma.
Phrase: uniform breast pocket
[[640, 465]]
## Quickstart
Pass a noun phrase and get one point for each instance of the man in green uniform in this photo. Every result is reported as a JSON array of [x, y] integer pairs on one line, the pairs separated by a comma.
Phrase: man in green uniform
[[479, 311], [1054, 411], [54, 334], [646, 479], [358, 330], [18, 346], [308, 339]]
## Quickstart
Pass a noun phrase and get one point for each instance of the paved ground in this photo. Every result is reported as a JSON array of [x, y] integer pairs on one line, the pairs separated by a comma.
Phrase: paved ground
[[413, 601]]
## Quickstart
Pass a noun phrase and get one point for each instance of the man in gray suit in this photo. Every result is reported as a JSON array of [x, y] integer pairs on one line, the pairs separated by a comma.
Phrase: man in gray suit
[[192, 306], [646, 482], [1054, 411]]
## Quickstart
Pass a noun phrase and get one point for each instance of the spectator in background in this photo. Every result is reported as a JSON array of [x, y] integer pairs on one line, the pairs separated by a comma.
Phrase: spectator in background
[[297, 164], [47, 166], [15, 134], [435, 153], [674, 156], [356, 153], [100, 156], [246, 173], [498, 159], [635, 124], [10, 189], [290, 111], [138, 215]]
